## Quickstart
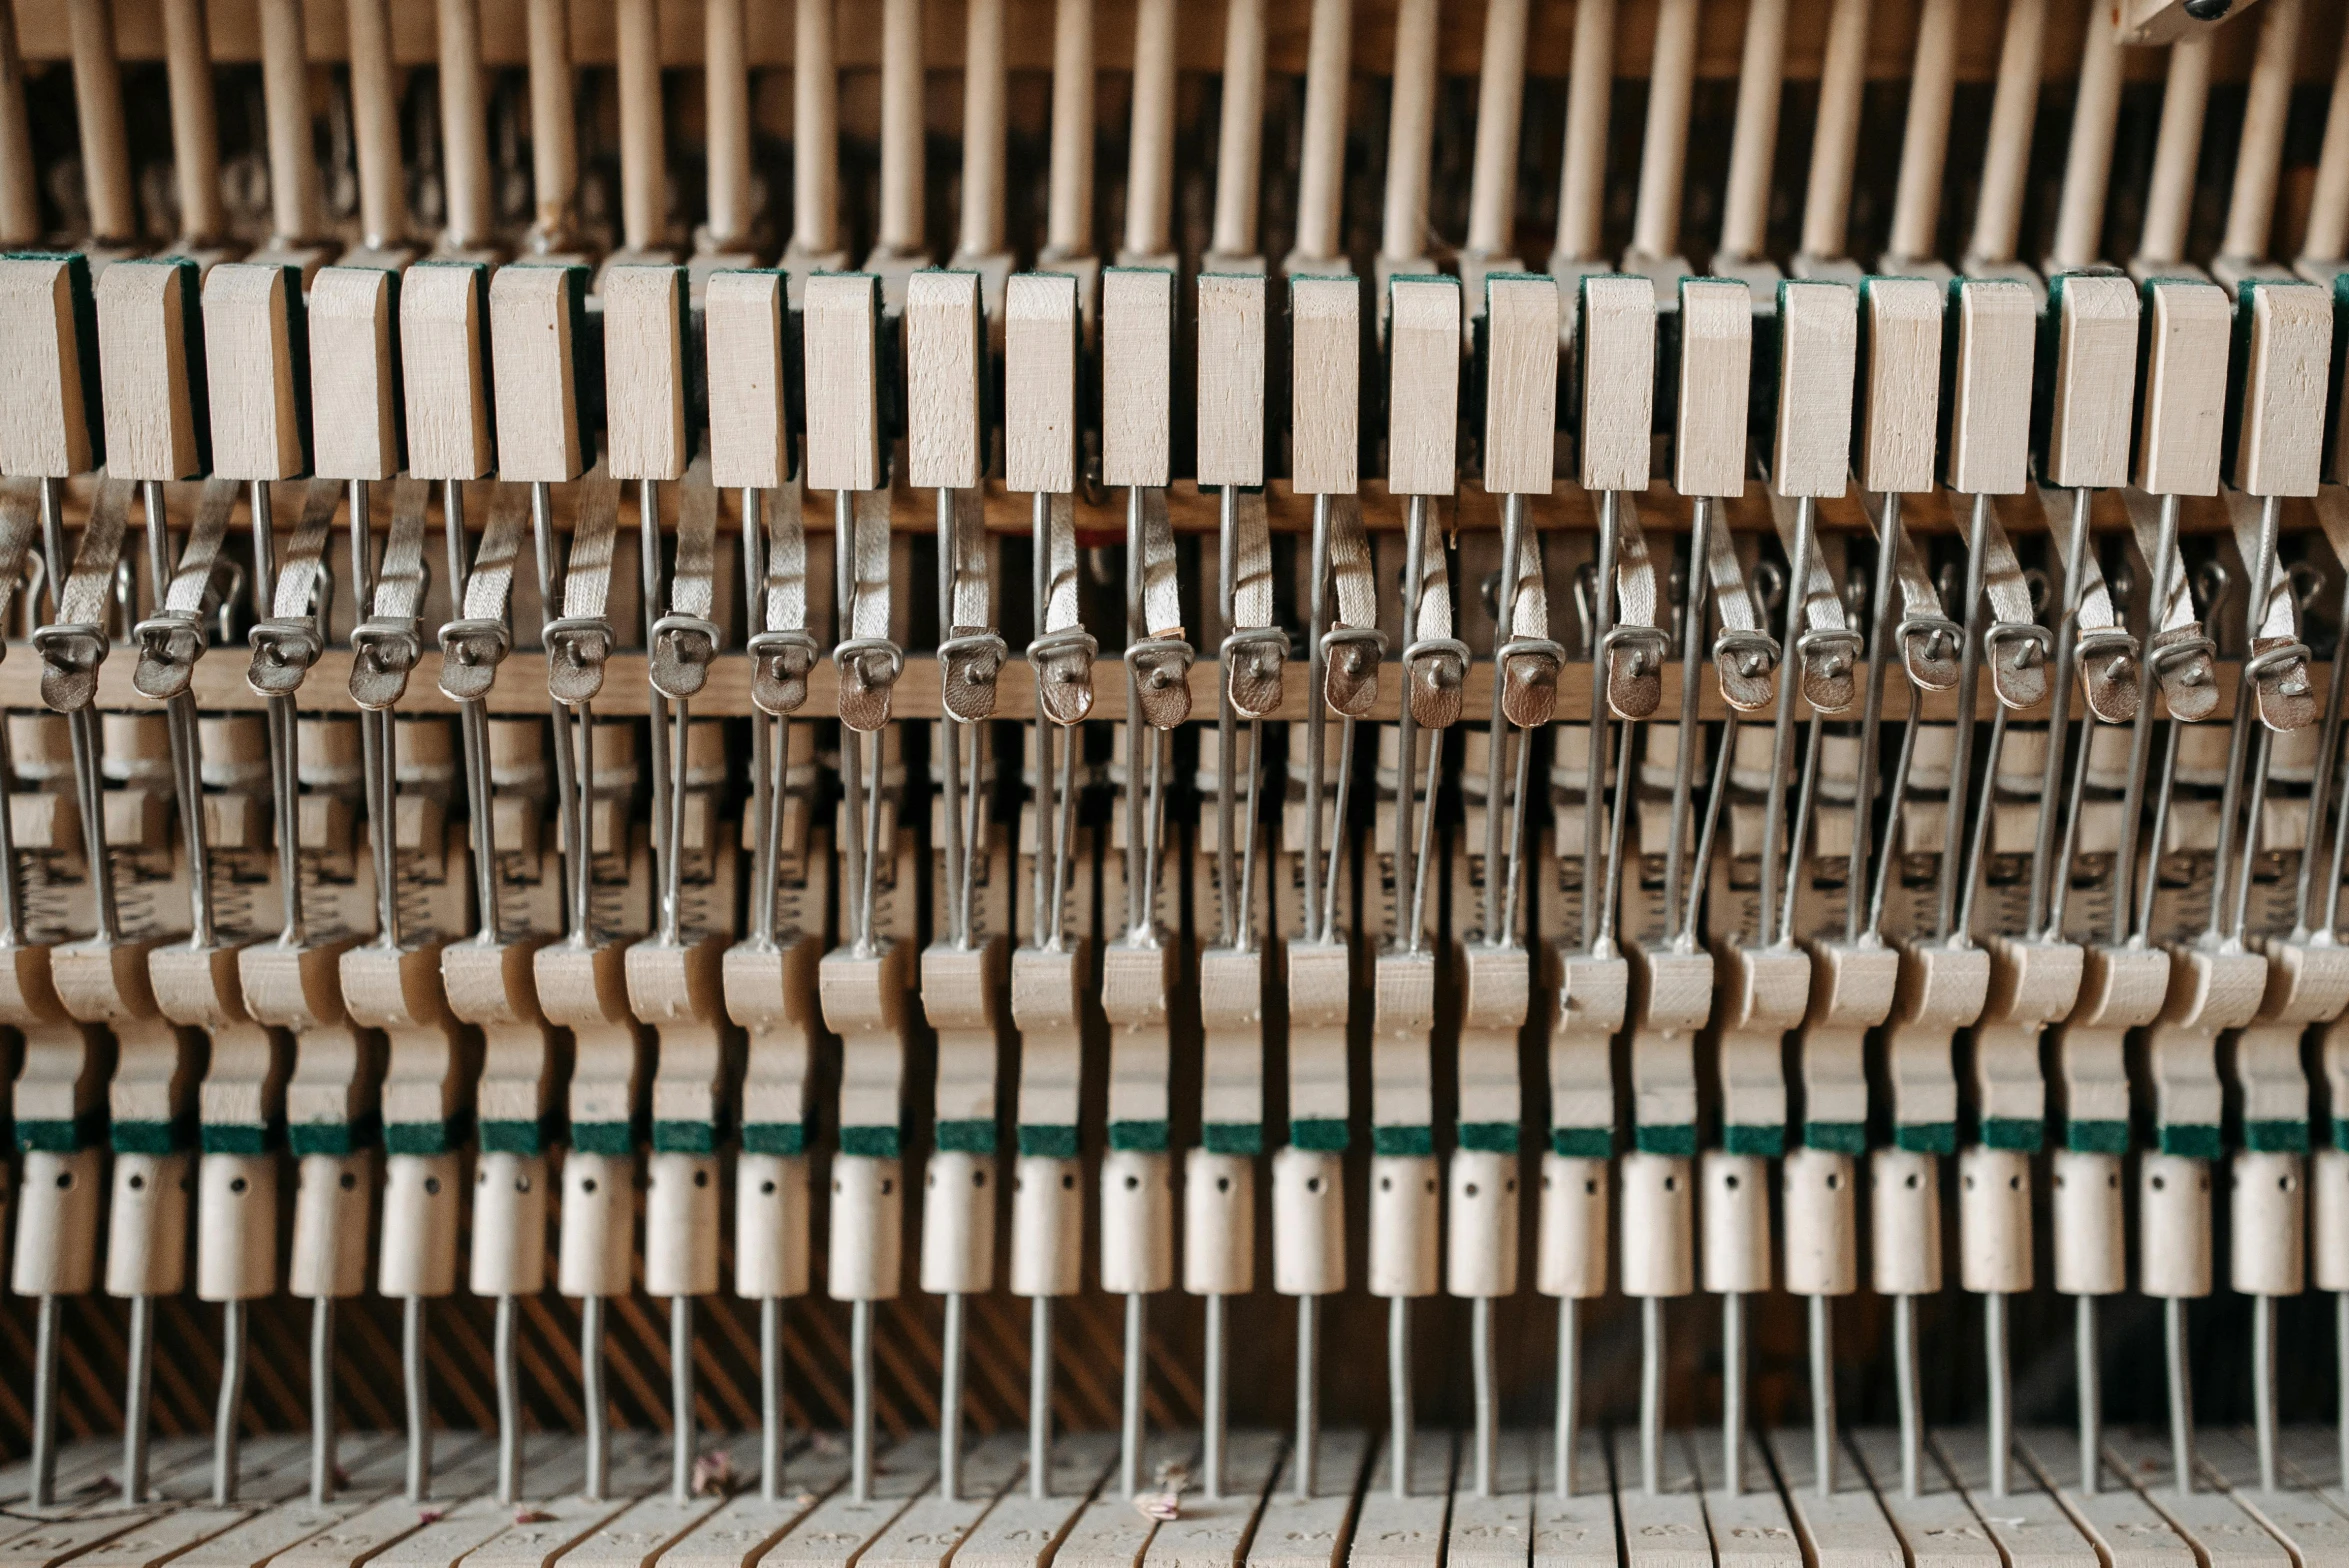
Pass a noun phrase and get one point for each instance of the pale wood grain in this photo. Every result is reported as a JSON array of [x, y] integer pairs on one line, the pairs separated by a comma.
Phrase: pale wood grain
[[249, 368], [532, 315], [352, 374], [1040, 382], [1137, 376], [1521, 384], [44, 416], [944, 355], [1618, 381], [1990, 388], [1231, 379], [1716, 369], [144, 318], [644, 372], [2279, 447], [742, 321], [1325, 418], [2095, 381], [1901, 394], [444, 371], [2182, 426], [1818, 349], [1423, 386], [839, 317]]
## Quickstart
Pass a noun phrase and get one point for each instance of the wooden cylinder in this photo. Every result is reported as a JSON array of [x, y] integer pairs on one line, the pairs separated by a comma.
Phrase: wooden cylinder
[[2091, 1227], [1047, 1226], [57, 1224], [1406, 1218], [236, 1227], [147, 1224], [1835, 134], [554, 139], [1321, 172], [1822, 1223], [1137, 1223], [1753, 139], [1410, 132], [644, 178], [1571, 1259], [815, 132], [958, 1224], [770, 1226], [2327, 235], [1663, 158], [375, 126], [2328, 1220], [2267, 1243], [97, 103], [332, 1196], [509, 1225], [464, 126], [901, 128], [418, 1256], [866, 1258], [1219, 1224], [2173, 1226], [1924, 142], [1659, 1210], [20, 192], [599, 1225], [2096, 110], [1068, 219], [1480, 1224], [1904, 1222], [2177, 151], [1150, 144], [1308, 1223], [2259, 155], [1582, 181], [1239, 143], [1500, 101], [726, 113], [2014, 108], [1994, 1220], [984, 85], [285, 97], [1736, 1221], [681, 1225]]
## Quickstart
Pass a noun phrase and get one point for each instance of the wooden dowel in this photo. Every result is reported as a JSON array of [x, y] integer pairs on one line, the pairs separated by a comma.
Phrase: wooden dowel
[[97, 103], [2328, 205], [464, 126], [1500, 101], [1835, 134], [1753, 145], [2014, 107], [1582, 184], [375, 127], [554, 139], [2177, 149], [644, 183], [983, 86], [20, 196], [1068, 222], [2096, 110], [285, 93], [901, 127], [1924, 146], [195, 130], [1321, 175], [1663, 157], [726, 99], [1239, 144], [1150, 145], [2259, 156], [1410, 132], [815, 133]]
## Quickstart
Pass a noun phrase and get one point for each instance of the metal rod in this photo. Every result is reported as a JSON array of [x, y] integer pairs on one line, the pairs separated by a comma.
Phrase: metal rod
[[1226, 718], [1480, 1360], [2341, 1380], [43, 1490], [1823, 1393], [1400, 1419], [1945, 924], [681, 1423], [2141, 741], [1912, 1412], [2173, 1336], [950, 1401], [509, 1376], [1651, 1395], [1703, 870], [2002, 1390], [1214, 1413], [1040, 1396], [2271, 512], [1306, 1457], [591, 1395], [1805, 794], [1602, 620], [1136, 1369], [2091, 1393], [1691, 731], [771, 1398], [1569, 1429], [1407, 736], [1880, 637], [1782, 728], [1496, 930], [1316, 665], [1047, 912], [138, 1390], [2059, 718], [322, 1434], [229, 1414], [648, 555], [957, 868], [418, 1398], [1733, 1384], [285, 781], [1977, 863], [1138, 914], [860, 1434], [2263, 1386]]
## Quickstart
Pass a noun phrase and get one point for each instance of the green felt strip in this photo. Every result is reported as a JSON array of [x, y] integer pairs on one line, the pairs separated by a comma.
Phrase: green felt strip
[[1140, 1137], [236, 1138], [2191, 1140], [2015, 1134], [1489, 1137], [528, 1139], [1836, 1137], [150, 1137], [426, 1138], [338, 1140], [966, 1137], [1926, 1137], [872, 1143], [1319, 1135], [684, 1138], [2341, 1123], [603, 1137], [1768, 1142], [1582, 1143], [1402, 1142], [60, 1136], [787, 1139], [2097, 1137], [1048, 1141], [2276, 1137], [1245, 1138], [1675, 1139]]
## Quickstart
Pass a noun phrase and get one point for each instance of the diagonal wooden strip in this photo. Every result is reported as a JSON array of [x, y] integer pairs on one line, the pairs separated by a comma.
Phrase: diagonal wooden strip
[[1577, 1531], [2223, 1534], [2126, 1530], [1937, 1527], [838, 1530], [2312, 1530], [1410, 1532], [1303, 1532], [1752, 1528], [1666, 1529], [1022, 1531], [1843, 1529]]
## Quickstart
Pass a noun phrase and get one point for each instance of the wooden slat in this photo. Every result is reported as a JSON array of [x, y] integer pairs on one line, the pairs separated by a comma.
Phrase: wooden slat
[[1495, 1531], [1206, 1535], [838, 1530], [1021, 1531], [2222, 1533], [2126, 1530], [1668, 1529], [1302, 1532], [2312, 1530], [1846, 1528], [1751, 1529], [1936, 1526], [928, 1534], [1577, 1531]]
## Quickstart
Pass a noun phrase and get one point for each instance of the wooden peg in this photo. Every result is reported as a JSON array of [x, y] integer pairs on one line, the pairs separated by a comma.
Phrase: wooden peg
[[444, 367], [1988, 443], [1900, 383], [1325, 339], [1231, 379], [1137, 384], [1716, 373], [50, 423], [353, 374], [644, 368], [256, 345], [945, 369], [840, 319], [1040, 383], [742, 321], [535, 315], [1818, 349], [151, 364], [2183, 403], [1618, 381], [1423, 386], [2279, 411], [2094, 374], [1521, 384]]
